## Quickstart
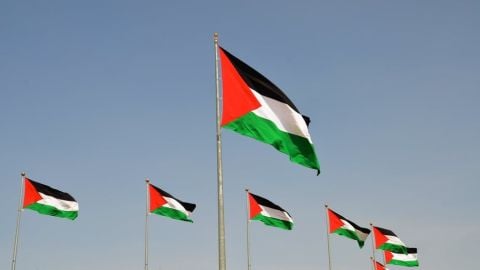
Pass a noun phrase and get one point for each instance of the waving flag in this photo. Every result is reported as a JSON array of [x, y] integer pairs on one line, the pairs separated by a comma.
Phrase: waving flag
[[253, 106], [387, 240], [269, 213], [408, 260], [49, 201], [342, 226], [164, 204]]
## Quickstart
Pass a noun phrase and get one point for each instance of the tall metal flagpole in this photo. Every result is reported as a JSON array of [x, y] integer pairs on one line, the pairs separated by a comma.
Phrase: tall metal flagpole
[[249, 265], [19, 215], [373, 247], [328, 239], [221, 222], [147, 181]]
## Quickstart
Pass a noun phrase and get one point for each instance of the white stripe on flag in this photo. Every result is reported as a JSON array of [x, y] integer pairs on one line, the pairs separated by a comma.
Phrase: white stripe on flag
[[274, 213], [58, 204], [394, 240], [284, 117], [174, 204]]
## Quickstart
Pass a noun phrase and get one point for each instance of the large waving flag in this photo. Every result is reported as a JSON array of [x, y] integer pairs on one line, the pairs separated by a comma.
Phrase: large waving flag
[[164, 204], [409, 260], [342, 226], [253, 106], [269, 213], [388, 240], [49, 201]]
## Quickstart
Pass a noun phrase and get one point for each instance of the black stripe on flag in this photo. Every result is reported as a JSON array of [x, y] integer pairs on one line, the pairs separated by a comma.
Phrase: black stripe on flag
[[260, 83], [264, 202], [364, 230], [49, 191], [386, 231], [188, 206], [411, 250]]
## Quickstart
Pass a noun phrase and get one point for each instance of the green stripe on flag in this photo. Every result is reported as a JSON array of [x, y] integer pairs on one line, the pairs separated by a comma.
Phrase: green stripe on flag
[[296, 147], [275, 222], [350, 234], [52, 211], [172, 213]]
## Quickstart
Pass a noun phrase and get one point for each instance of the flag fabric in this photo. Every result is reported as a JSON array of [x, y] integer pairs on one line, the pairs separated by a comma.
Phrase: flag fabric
[[387, 240], [254, 107], [379, 266], [49, 201], [269, 213], [164, 204], [342, 226], [409, 260]]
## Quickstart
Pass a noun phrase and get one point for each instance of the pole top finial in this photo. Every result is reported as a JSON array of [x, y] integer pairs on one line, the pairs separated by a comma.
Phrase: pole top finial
[[147, 180], [326, 205], [247, 190], [23, 174]]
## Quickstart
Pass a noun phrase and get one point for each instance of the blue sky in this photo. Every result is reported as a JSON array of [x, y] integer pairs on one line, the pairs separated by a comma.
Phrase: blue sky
[[95, 96]]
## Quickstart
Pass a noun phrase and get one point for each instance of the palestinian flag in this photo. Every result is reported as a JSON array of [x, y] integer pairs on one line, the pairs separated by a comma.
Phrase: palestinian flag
[[387, 240], [49, 201], [269, 213], [379, 266], [342, 226], [408, 260], [164, 204], [253, 106]]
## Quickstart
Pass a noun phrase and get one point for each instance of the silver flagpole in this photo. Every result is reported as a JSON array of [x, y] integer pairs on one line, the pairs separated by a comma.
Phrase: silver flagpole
[[221, 223], [373, 247], [249, 266], [147, 181], [328, 239], [19, 215]]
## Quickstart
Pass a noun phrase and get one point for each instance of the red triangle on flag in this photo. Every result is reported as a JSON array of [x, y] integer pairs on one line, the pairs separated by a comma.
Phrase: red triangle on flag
[[379, 266], [334, 221], [31, 194], [380, 239], [238, 99], [255, 209], [388, 257], [156, 199]]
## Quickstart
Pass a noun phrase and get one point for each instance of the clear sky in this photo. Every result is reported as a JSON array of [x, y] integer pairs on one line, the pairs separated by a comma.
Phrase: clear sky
[[95, 96]]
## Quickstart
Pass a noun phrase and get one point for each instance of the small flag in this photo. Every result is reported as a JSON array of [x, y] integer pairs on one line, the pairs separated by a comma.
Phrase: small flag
[[164, 204], [387, 240], [49, 201], [408, 260], [254, 107], [342, 226], [379, 266], [269, 213]]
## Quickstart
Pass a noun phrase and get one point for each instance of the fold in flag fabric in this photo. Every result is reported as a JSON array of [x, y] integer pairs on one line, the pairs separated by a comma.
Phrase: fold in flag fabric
[[49, 201], [164, 204], [254, 107], [342, 226], [408, 260], [269, 213], [387, 240], [379, 266]]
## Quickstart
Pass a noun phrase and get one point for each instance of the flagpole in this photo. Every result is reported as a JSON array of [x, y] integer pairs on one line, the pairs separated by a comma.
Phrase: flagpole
[[249, 266], [328, 239], [221, 222], [373, 246], [147, 181], [19, 215]]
